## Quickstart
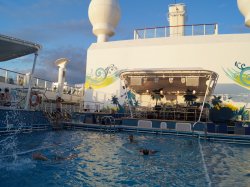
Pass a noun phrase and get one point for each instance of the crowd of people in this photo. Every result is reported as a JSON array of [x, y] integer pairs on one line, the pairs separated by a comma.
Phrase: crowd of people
[[5, 98]]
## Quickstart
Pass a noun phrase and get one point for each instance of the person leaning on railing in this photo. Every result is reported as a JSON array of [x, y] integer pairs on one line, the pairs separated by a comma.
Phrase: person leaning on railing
[[7, 98], [59, 101], [1, 98]]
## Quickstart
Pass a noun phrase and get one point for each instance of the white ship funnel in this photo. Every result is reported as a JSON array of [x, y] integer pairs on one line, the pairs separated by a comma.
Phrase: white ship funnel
[[244, 7], [104, 15], [176, 18]]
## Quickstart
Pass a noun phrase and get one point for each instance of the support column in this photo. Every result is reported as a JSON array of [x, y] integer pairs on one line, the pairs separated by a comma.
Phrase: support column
[[61, 63], [27, 106]]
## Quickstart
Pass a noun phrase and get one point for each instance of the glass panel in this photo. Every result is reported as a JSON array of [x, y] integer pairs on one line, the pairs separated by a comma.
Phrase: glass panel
[[41, 83], [49, 86], [2, 75], [12, 78], [34, 82]]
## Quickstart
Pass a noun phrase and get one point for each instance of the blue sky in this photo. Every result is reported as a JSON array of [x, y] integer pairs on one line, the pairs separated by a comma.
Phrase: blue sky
[[63, 29]]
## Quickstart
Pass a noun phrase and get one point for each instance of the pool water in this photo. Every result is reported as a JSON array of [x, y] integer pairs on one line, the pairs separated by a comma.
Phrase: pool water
[[105, 159]]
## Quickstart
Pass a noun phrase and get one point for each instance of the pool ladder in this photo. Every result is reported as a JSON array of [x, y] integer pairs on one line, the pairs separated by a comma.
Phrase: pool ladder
[[109, 123]]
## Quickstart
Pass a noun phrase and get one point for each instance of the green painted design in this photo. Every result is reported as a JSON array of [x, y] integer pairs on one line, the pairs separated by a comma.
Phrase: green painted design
[[103, 77], [240, 74]]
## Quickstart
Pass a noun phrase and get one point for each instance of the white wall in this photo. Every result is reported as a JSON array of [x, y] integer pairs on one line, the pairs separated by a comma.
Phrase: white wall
[[212, 52]]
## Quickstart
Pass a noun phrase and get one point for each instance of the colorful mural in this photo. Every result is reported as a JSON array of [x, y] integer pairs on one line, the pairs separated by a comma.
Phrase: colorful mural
[[240, 74], [102, 77]]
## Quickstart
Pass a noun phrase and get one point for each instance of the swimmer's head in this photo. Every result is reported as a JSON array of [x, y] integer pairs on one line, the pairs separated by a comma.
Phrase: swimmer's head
[[131, 137], [144, 151]]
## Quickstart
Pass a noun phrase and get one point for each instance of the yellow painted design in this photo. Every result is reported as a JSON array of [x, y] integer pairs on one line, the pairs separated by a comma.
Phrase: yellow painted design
[[240, 75], [102, 78]]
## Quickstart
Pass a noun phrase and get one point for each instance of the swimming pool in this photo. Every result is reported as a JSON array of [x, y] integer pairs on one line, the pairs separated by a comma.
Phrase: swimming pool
[[107, 159]]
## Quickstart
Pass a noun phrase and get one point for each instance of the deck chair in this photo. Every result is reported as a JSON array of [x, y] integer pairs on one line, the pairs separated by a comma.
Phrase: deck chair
[[183, 127], [144, 124]]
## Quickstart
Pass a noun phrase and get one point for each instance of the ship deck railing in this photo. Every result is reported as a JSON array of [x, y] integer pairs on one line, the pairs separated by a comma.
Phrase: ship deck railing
[[189, 30], [20, 80]]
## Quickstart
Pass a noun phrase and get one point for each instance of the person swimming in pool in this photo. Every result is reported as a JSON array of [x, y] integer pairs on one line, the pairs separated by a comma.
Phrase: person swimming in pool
[[147, 151], [41, 157], [131, 139]]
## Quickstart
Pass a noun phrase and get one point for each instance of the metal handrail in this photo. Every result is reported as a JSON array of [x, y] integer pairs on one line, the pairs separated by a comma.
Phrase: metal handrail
[[162, 30], [35, 82]]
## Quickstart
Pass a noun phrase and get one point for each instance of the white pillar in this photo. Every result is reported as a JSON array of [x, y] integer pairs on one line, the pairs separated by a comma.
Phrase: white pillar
[[61, 63], [27, 106], [61, 80]]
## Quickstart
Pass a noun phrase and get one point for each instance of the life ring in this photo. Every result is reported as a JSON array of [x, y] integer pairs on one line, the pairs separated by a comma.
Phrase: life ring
[[35, 100]]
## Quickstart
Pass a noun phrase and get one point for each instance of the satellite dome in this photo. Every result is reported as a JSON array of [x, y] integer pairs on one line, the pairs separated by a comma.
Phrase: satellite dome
[[104, 16], [244, 7]]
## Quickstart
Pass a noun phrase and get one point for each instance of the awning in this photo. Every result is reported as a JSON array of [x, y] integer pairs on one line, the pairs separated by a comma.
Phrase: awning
[[170, 81], [11, 48]]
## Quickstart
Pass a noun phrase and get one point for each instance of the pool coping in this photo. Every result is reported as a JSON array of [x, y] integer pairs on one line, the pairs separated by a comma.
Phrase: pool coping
[[216, 137]]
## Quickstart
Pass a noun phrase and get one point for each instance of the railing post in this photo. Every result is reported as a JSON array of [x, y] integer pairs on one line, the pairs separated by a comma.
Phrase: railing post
[[144, 33], [216, 29], [204, 29], [192, 30], [165, 31], [6, 76], [134, 34], [155, 33]]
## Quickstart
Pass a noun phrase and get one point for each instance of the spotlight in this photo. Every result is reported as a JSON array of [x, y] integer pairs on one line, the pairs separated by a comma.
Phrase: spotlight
[[183, 80], [171, 80]]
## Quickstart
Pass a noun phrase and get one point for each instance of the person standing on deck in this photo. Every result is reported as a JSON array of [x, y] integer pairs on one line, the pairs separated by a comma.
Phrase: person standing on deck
[[7, 98], [59, 101]]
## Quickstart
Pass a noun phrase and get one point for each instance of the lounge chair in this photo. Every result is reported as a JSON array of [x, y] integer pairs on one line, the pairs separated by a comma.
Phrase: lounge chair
[[184, 127], [144, 124], [163, 125]]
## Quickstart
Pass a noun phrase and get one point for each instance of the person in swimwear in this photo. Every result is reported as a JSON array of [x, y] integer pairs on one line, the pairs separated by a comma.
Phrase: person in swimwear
[[147, 152], [41, 157], [131, 138]]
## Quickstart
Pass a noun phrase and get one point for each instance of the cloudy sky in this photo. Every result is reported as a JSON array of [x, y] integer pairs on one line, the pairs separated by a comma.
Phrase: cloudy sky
[[63, 29]]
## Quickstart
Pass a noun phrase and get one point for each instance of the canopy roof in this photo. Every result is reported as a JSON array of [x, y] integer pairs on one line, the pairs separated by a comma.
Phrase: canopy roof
[[11, 48], [170, 81]]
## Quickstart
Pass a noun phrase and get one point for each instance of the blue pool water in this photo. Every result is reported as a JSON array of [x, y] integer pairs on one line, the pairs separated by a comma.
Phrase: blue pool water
[[110, 160]]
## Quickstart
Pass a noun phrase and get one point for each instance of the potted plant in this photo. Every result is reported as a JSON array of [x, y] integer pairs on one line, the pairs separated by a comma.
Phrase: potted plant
[[157, 96], [190, 97], [222, 112]]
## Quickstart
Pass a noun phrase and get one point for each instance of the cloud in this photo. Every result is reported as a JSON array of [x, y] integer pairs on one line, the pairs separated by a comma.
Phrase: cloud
[[46, 68], [45, 20], [51, 33], [75, 68]]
